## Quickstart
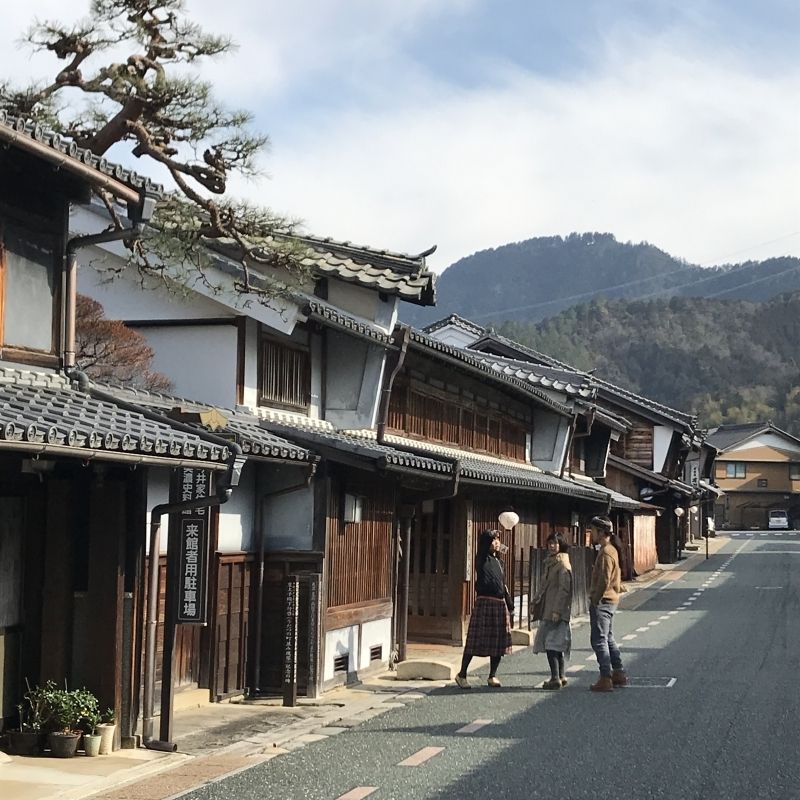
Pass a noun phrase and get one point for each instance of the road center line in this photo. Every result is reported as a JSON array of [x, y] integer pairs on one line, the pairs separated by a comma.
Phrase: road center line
[[642, 629], [629, 637], [575, 668], [420, 757], [475, 726], [358, 793]]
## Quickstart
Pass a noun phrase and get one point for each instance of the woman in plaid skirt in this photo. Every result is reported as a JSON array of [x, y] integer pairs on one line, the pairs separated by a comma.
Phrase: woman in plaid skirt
[[489, 631]]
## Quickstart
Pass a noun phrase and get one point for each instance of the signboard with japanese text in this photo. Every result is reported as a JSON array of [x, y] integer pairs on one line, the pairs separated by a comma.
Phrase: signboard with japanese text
[[192, 550]]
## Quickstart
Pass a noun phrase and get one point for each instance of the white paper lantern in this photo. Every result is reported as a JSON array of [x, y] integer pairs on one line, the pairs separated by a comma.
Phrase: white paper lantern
[[508, 519]]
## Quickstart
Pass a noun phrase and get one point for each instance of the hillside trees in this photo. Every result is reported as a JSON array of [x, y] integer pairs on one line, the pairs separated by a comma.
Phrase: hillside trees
[[728, 361], [126, 85]]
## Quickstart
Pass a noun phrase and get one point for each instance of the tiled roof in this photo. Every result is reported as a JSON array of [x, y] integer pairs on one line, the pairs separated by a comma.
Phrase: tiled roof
[[43, 412], [726, 436], [251, 436], [67, 150], [477, 362], [482, 469], [527, 353], [348, 443], [570, 383], [394, 273], [456, 321], [333, 317], [610, 390]]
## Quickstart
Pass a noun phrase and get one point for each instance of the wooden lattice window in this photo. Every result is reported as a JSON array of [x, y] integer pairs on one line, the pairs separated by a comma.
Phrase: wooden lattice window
[[434, 423], [284, 375]]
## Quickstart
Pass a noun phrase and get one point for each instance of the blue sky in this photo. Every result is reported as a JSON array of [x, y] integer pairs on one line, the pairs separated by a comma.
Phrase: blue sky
[[404, 123]]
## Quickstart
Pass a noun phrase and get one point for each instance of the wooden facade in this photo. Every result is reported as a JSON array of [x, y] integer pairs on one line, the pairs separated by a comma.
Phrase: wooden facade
[[422, 410]]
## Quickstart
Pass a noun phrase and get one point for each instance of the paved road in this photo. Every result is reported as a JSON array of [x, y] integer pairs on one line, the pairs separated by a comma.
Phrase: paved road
[[728, 726]]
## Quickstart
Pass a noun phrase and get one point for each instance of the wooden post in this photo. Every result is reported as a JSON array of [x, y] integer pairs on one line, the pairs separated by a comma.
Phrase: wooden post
[[406, 526]]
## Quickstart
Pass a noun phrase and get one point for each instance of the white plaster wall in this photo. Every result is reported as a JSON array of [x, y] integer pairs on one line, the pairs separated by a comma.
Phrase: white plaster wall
[[549, 441], [662, 436], [125, 297], [353, 374], [354, 299], [158, 479], [288, 519], [200, 360], [377, 632], [279, 313], [236, 516], [250, 398], [457, 337], [344, 640]]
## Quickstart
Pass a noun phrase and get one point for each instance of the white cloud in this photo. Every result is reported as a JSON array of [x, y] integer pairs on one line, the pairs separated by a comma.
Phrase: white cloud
[[686, 142], [697, 154]]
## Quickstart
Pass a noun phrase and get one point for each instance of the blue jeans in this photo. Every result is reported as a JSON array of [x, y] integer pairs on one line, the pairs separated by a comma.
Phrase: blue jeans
[[605, 648]]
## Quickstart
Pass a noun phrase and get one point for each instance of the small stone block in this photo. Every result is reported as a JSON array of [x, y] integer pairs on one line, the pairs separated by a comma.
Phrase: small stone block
[[424, 670], [520, 637]]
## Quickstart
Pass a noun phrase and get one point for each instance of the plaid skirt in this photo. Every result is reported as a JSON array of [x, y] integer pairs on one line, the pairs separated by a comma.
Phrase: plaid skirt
[[489, 631]]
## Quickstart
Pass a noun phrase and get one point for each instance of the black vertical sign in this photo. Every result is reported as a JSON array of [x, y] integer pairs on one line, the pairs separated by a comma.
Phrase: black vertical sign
[[313, 633], [191, 553]]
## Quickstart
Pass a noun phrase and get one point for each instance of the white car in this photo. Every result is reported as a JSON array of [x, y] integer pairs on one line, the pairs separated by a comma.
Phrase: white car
[[778, 520]]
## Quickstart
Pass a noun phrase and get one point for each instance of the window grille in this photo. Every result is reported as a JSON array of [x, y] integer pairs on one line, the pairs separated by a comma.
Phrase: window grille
[[284, 375]]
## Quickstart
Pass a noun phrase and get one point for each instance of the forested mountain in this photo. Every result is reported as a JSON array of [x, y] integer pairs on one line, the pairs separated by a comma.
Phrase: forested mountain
[[727, 360], [538, 278]]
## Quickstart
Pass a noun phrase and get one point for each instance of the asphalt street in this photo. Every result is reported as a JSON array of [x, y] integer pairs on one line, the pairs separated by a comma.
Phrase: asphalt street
[[713, 712]]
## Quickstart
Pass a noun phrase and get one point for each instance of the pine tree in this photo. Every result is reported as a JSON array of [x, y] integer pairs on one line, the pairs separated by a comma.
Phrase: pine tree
[[149, 102]]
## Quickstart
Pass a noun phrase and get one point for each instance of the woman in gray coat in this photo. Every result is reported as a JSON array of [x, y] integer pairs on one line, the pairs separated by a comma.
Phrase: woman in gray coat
[[553, 635]]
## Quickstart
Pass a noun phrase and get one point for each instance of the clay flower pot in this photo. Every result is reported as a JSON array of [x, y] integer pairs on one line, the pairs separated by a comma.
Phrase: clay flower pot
[[91, 744], [63, 744], [106, 731]]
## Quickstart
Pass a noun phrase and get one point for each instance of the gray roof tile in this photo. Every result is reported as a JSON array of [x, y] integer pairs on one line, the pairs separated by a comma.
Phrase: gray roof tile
[[67, 148], [44, 409], [250, 434]]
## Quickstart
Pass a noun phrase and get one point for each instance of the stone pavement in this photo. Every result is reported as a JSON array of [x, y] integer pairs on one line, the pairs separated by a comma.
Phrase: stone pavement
[[219, 739]]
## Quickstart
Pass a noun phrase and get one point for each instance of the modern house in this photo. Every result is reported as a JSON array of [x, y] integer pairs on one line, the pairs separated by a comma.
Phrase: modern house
[[758, 468]]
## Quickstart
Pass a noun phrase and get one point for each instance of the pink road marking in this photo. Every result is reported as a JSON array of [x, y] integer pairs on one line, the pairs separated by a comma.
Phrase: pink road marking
[[475, 726], [358, 793], [421, 757]]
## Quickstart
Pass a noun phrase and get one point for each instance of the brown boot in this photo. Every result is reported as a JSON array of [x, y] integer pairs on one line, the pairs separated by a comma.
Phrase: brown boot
[[619, 677], [603, 684]]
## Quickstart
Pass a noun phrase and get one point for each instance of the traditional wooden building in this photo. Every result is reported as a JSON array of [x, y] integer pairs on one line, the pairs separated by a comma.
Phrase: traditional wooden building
[[308, 366], [74, 463], [638, 449]]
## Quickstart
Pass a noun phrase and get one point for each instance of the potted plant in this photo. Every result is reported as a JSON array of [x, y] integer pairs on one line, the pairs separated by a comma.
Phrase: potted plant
[[70, 710], [91, 736], [34, 717], [106, 728]]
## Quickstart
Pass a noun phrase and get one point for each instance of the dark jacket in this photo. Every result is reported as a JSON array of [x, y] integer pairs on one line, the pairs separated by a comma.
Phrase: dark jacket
[[490, 581]]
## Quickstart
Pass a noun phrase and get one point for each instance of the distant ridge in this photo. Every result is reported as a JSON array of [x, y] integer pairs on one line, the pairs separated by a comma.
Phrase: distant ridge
[[538, 278]]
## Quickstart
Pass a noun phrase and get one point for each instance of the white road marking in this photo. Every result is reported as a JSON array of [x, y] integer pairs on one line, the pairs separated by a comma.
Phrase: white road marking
[[671, 613], [475, 726], [664, 617], [591, 657], [629, 637], [654, 622], [768, 587], [642, 630], [575, 668], [420, 757], [359, 793]]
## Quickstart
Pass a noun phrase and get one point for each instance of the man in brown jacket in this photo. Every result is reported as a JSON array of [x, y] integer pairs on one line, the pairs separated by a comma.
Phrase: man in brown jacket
[[604, 592]]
